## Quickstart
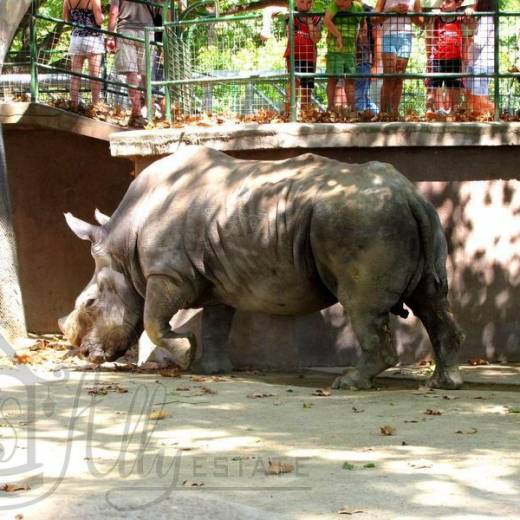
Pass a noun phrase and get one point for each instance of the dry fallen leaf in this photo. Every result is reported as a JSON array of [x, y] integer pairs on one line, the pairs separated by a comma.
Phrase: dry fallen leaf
[[322, 392], [170, 372], [158, 415], [430, 411], [22, 359], [192, 483], [349, 511], [468, 432], [258, 395], [475, 362], [12, 487], [387, 430], [277, 468]]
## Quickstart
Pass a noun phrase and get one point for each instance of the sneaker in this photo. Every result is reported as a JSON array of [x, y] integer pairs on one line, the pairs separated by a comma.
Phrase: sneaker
[[137, 122]]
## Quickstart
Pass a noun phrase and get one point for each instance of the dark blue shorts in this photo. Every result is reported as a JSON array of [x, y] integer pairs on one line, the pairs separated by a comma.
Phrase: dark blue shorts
[[304, 66], [446, 66]]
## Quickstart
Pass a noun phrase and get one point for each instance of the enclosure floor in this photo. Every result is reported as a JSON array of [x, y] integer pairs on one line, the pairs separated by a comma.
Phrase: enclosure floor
[[452, 455]]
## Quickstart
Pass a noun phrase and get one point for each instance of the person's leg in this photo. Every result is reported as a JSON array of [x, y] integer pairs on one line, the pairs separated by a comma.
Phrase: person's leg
[[350, 93], [438, 99], [331, 93], [134, 94], [76, 65], [397, 92], [361, 86], [389, 67], [94, 67]]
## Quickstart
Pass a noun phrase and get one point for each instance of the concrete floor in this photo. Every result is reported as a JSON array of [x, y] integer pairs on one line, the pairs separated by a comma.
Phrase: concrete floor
[[101, 456]]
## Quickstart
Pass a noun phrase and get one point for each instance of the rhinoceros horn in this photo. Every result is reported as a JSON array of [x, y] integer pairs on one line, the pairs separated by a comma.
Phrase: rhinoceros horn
[[82, 229], [101, 218]]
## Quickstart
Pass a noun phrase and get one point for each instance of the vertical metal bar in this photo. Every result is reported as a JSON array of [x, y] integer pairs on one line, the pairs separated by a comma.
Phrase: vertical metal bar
[[34, 55], [496, 18], [149, 73], [292, 77]]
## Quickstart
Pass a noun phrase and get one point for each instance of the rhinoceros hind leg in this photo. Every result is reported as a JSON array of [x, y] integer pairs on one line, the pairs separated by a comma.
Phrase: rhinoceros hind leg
[[216, 325], [430, 304], [377, 349]]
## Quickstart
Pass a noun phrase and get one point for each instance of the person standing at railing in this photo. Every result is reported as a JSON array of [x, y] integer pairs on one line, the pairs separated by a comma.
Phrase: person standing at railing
[[480, 58], [397, 47], [85, 44], [130, 19], [341, 48], [307, 33], [444, 47], [367, 48]]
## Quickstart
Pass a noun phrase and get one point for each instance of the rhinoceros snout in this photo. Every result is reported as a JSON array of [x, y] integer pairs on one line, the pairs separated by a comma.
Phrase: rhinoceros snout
[[97, 357]]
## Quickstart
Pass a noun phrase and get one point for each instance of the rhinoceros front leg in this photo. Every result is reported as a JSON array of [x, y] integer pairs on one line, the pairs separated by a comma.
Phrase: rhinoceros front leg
[[377, 349], [216, 325], [164, 297]]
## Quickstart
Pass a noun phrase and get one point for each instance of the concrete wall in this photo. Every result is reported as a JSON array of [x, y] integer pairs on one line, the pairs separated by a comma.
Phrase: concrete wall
[[51, 173]]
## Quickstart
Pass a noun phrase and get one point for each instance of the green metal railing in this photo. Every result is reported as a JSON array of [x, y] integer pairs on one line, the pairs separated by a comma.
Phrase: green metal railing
[[212, 64]]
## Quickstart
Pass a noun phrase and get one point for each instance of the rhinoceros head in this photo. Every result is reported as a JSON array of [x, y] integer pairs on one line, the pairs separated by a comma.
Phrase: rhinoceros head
[[107, 316]]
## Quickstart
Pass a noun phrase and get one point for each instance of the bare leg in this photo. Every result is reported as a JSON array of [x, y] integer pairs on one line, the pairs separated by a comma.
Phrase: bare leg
[[75, 66], [389, 67], [133, 78], [216, 324], [305, 98], [331, 93], [94, 67], [350, 93], [164, 297], [397, 92]]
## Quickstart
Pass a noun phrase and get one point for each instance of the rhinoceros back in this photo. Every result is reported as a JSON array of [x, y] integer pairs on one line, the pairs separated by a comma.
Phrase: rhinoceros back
[[250, 229]]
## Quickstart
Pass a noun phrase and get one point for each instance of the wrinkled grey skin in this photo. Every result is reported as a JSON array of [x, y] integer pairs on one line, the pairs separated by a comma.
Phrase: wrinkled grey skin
[[201, 229]]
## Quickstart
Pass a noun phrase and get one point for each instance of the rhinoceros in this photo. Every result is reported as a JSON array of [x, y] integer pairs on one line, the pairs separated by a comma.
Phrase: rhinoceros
[[200, 229]]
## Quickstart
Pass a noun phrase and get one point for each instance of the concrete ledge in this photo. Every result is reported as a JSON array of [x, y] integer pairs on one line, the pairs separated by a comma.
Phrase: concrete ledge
[[319, 135], [35, 115]]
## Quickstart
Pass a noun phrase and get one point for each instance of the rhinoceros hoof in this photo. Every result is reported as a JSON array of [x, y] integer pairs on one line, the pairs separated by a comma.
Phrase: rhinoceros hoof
[[448, 379], [212, 366], [352, 379]]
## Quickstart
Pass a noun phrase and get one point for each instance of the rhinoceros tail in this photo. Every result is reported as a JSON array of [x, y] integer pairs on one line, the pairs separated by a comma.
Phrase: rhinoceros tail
[[425, 217]]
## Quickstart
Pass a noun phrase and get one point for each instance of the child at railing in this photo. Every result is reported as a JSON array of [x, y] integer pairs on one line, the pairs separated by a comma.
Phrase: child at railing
[[85, 43], [444, 47], [341, 47], [307, 32], [397, 47], [367, 57], [480, 58]]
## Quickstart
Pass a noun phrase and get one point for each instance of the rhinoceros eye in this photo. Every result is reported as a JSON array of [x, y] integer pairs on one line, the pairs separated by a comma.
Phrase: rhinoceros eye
[[90, 302]]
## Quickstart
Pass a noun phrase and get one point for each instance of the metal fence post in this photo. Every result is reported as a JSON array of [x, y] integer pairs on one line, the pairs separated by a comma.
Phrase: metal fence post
[[496, 60], [34, 55], [292, 77], [149, 73]]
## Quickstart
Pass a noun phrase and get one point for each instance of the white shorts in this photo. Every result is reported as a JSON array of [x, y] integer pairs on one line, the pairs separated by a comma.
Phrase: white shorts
[[84, 45]]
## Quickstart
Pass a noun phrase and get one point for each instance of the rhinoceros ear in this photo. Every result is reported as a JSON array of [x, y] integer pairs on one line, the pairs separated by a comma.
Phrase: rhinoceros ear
[[82, 229], [101, 218]]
